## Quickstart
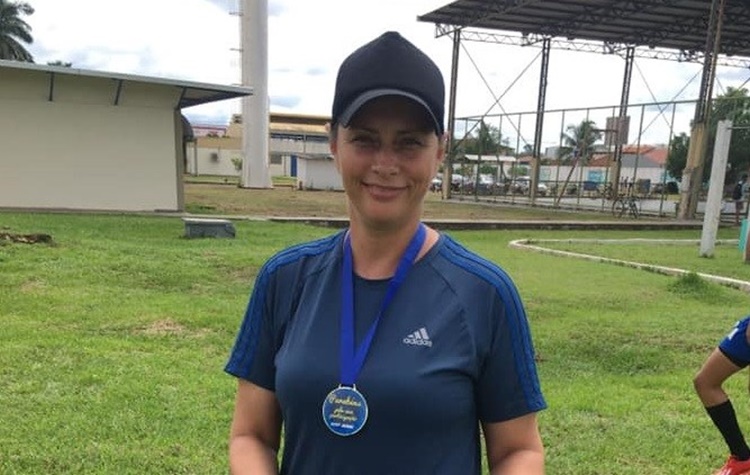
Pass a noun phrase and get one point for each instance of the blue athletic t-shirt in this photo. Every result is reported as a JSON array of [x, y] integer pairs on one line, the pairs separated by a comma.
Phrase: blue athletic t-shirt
[[452, 349]]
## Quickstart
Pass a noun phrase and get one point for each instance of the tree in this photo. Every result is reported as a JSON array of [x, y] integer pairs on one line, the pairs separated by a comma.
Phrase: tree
[[581, 138], [678, 152], [486, 140], [14, 31], [733, 105]]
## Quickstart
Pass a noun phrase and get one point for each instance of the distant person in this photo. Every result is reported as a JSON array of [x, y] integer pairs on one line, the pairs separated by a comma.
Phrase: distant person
[[625, 186], [731, 356], [739, 196], [383, 348]]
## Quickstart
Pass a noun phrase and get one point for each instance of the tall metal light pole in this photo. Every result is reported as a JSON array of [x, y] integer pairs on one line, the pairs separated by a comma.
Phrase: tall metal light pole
[[692, 175], [255, 136]]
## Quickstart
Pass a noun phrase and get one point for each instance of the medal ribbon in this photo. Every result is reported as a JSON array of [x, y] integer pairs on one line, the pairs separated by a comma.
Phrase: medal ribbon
[[353, 358]]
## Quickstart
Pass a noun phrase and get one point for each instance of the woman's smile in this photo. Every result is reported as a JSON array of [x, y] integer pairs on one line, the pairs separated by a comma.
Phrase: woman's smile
[[384, 192]]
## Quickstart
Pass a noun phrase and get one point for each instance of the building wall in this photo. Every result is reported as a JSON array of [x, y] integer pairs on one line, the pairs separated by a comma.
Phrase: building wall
[[559, 173], [80, 151], [318, 174], [548, 173], [213, 155], [293, 147]]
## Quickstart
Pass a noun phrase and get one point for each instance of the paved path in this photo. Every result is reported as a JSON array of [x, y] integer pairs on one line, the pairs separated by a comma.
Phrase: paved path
[[644, 224], [537, 246]]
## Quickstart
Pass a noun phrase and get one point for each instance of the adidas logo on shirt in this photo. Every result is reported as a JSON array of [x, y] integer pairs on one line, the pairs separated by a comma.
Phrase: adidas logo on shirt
[[418, 338]]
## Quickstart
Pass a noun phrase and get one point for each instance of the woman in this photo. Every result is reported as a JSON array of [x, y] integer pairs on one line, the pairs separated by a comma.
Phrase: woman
[[381, 349], [732, 354]]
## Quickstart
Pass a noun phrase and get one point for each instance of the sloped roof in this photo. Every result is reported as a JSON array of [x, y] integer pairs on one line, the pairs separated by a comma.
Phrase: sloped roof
[[655, 154], [659, 155], [679, 25], [600, 160], [650, 155], [192, 93], [284, 122], [295, 128]]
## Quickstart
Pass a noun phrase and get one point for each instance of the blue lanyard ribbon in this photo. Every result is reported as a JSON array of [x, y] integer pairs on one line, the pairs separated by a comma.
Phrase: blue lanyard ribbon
[[353, 358]]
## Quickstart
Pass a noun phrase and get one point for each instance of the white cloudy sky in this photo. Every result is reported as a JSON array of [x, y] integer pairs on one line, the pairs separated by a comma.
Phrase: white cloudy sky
[[197, 40]]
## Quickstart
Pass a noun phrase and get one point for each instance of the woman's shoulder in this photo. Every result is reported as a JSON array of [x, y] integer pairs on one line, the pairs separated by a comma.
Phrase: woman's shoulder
[[459, 259], [306, 253], [460, 255]]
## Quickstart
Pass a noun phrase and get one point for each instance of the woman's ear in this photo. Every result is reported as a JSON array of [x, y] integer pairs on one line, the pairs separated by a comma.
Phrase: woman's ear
[[332, 135], [333, 144]]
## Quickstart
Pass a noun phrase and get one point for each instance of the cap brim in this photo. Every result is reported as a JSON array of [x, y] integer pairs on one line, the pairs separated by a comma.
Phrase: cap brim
[[348, 114]]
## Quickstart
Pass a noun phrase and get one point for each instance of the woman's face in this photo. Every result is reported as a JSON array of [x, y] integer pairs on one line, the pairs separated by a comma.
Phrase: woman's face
[[387, 158]]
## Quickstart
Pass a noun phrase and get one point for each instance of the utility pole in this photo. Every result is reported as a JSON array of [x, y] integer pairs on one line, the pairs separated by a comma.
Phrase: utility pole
[[255, 129], [712, 216], [692, 175]]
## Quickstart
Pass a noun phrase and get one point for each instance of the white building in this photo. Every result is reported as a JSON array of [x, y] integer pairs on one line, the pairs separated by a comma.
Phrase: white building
[[88, 140], [298, 147]]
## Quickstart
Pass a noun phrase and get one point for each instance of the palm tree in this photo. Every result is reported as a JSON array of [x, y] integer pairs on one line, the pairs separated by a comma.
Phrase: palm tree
[[579, 140], [14, 31]]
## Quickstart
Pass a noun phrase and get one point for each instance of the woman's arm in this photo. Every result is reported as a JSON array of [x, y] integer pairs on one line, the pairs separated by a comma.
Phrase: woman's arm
[[256, 431], [514, 447]]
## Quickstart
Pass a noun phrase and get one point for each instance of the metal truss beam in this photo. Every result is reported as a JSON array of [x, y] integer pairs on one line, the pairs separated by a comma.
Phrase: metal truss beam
[[496, 9], [599, 15], [585, 46]]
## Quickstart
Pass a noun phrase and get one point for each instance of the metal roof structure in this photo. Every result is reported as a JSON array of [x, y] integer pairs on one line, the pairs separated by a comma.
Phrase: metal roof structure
[[710, 32], [192, 93], [662, 29]]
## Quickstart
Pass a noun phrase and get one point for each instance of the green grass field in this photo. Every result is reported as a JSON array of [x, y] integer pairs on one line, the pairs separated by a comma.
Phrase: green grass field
[[114, 338]]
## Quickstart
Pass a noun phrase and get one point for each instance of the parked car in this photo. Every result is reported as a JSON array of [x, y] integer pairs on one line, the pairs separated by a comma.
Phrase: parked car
[[459, 182], [522, 184], [485, 185], [437, 184]]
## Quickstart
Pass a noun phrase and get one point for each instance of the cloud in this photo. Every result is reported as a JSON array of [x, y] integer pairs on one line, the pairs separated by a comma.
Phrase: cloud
[[286, 102], [198, 40], [217, 113], [276, 9], [185, 39], [735, 74], [316, 71]]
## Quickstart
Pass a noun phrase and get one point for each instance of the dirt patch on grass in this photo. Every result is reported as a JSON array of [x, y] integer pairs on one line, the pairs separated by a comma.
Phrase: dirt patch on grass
[[32, 286], [169, 327], [26, 238], [164, 327]]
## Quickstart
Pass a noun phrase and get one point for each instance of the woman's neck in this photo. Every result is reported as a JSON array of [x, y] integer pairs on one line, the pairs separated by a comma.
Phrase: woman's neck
[[377, 253]]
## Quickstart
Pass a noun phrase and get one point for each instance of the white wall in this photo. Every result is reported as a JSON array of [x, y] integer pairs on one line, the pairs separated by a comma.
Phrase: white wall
[[318, 174], [555, 173], [80, 151], [560, 173], [293, 147], [211, 160]]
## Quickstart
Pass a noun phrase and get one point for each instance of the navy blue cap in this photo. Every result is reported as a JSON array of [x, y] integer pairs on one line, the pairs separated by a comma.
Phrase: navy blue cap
[[389, 65]]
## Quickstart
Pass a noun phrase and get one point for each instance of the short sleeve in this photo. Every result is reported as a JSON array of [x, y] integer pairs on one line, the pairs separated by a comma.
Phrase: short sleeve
[[252, 357], [508, 384]]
